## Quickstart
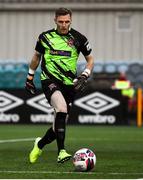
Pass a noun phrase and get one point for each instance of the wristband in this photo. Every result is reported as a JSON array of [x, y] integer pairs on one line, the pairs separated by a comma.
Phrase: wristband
[[31, 72], [86, 72]]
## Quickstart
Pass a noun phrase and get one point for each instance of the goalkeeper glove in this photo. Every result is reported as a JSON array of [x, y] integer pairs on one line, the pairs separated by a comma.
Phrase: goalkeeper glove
[[29, 86], [80, 82]]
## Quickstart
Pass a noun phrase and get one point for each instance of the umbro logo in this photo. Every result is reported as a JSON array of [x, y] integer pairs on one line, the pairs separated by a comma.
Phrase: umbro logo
[[8, 101], [96, 102], [41, 103]]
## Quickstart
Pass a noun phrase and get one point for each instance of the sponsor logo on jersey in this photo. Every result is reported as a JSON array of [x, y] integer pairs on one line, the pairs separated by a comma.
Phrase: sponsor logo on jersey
[[60, 53]]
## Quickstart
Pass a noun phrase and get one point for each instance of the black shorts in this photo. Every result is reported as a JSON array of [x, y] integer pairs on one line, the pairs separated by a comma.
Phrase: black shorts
[[50, 86]]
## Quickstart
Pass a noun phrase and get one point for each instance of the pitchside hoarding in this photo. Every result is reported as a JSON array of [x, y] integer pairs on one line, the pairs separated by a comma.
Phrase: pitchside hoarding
[[99, 107], [18, 106], [90, 107]]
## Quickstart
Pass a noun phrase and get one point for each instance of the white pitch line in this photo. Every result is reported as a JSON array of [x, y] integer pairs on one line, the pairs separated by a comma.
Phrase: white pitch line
[[44, 172], [69, 172], [70, 139], [31, 139], [16, 140]]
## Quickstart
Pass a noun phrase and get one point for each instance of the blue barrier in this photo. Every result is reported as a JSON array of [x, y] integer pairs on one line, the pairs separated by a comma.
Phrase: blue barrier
[[13, 74]]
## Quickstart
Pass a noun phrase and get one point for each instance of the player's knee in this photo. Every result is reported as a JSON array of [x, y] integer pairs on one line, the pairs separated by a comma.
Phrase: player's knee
[[62, 109]]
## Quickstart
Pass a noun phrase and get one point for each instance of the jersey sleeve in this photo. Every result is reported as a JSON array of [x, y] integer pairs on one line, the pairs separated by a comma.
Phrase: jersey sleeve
[[84, 46], [39, 47]]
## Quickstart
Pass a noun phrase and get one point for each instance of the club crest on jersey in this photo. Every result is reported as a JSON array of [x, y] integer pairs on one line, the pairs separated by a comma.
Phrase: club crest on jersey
[[52, 86], [70, 42]]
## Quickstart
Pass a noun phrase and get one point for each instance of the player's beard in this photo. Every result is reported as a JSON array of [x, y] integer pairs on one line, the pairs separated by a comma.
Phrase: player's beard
[[64, 30]]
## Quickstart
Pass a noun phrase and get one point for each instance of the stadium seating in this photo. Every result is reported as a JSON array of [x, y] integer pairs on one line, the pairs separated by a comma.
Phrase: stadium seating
[[110, 68], [13, 74]]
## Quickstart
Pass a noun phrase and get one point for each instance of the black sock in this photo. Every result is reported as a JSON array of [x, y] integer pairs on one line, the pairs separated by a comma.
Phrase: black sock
[[47, 138], [60, 122]]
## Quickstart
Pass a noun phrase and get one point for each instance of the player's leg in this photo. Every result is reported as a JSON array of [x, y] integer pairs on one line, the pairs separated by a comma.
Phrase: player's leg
[[55, 97], [49, 137], [60, 106], [36, 151], [50, 134]]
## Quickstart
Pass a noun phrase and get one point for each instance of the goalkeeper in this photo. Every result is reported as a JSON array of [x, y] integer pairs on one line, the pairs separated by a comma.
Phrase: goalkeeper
[[57, 50]]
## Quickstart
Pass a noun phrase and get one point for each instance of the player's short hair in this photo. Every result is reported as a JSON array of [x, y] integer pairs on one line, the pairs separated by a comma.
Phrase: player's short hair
[[62, 12]]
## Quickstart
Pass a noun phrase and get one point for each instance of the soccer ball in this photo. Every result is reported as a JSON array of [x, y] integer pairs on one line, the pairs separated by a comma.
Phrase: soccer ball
[[84, 160]]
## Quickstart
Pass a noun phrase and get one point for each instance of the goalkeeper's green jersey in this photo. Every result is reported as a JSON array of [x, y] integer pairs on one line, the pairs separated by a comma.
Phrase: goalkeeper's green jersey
[[60, 54]]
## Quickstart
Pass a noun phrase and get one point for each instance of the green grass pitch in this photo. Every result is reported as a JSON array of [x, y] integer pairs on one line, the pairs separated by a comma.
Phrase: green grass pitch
[[119, 151]]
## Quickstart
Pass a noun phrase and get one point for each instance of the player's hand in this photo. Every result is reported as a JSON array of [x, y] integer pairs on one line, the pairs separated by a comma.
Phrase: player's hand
[[80, 83], [30, 87]]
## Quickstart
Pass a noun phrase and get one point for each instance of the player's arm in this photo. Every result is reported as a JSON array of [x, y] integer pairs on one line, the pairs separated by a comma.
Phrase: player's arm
[[34, 64], [29, 86], [81, 80], [90, 64]]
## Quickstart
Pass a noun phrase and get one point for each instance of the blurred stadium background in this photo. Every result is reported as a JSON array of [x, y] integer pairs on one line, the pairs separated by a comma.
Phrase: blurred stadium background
[[115, 30]]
